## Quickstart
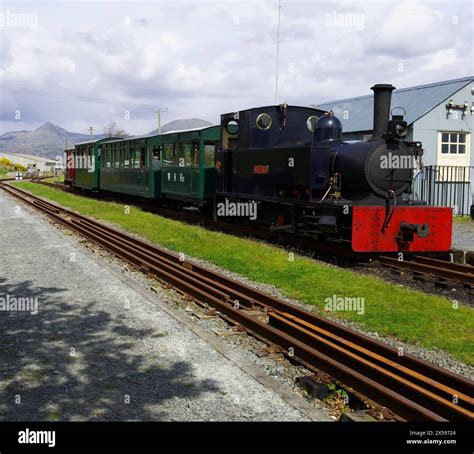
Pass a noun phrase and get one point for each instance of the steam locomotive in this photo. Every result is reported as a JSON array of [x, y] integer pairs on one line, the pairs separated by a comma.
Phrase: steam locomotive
[[307, 181], [283, 168]]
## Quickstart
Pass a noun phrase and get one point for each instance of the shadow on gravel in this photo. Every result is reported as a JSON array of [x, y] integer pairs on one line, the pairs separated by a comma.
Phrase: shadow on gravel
[[71, 361]]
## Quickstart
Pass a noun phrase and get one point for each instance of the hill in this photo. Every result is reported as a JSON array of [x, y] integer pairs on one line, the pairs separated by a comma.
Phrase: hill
[[179, 125], [48, 140]]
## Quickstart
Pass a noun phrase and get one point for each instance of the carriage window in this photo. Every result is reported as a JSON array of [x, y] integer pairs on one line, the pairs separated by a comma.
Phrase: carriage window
[[137, 159], [126, 157], [195, 155], [118, 158], [209, 150], [168, 153], [185, 154], [142, 157], [104, 155]]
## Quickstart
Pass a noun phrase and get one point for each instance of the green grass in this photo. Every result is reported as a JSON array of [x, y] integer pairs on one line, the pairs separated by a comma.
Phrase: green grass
[[58, 179], [390, 310], [462, 219]]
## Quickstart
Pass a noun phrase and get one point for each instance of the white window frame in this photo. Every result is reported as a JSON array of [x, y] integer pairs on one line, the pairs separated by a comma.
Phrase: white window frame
[[453, 159], [455, 143]]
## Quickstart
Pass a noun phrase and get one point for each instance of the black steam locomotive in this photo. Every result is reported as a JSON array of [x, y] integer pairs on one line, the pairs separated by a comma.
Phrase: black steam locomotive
[[287, 169]]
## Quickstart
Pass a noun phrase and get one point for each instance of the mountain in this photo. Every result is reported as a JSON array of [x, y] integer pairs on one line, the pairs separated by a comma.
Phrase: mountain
[[180, 125], [49, 140]]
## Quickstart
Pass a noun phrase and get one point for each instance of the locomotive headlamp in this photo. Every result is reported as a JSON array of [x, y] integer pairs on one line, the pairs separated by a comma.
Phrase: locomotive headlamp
[[401, 129], [397, 127]]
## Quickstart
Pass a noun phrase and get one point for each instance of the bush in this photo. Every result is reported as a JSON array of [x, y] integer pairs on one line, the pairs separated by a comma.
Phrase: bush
[[5, 163], [20, 168]]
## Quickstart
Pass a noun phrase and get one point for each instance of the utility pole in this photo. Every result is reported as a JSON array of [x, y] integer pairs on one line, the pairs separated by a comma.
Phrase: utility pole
[[158, 112], [90, 132], [277, 51]]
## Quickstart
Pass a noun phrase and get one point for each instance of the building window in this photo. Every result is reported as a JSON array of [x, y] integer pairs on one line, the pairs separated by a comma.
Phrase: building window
[[453, 143], [453, 157]]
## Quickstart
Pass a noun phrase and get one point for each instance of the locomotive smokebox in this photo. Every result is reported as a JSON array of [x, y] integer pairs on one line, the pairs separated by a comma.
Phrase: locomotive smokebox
[[382, 101]]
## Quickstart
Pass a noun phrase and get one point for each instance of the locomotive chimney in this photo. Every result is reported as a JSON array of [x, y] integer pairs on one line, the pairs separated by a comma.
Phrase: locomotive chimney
[[382, 101]]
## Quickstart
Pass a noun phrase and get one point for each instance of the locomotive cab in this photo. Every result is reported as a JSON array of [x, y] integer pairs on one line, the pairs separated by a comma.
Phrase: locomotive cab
[[264, 151]]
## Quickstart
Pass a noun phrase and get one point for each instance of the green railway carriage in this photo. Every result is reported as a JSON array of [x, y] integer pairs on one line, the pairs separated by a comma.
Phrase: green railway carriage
[[87, 164], [132, 166], [188, 174]]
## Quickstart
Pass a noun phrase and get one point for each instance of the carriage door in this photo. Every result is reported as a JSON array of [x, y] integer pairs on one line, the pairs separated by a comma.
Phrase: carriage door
[[195, 164], [143, 173]]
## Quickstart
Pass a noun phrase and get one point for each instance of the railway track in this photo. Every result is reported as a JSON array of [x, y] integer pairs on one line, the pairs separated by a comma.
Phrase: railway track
[[412, 389], [441, 273]]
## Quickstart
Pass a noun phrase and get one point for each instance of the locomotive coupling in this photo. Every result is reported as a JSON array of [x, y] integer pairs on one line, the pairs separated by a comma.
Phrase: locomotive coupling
[[408, 231]]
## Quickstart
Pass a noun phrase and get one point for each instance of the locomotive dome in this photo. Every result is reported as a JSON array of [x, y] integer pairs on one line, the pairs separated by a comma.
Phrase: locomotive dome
[[328, 127]]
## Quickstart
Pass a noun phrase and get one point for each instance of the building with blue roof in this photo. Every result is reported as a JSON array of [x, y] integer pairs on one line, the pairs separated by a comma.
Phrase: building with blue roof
[[446, 132]]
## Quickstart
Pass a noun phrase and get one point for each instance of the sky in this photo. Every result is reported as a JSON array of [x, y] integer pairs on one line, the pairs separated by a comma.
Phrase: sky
[[86, 63]]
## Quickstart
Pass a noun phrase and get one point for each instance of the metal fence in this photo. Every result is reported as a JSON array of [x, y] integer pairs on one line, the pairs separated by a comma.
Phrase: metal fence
[[449, 186]]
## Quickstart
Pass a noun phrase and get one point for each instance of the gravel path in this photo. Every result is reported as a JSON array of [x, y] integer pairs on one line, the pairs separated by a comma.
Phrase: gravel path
[[98, 350]]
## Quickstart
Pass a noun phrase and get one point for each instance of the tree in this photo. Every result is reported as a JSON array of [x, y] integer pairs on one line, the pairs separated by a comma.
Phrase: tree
[[112, 130]]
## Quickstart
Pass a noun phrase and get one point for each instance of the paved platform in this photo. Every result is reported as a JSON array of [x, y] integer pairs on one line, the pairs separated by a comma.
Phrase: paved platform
[[463, 235], [95, 348]]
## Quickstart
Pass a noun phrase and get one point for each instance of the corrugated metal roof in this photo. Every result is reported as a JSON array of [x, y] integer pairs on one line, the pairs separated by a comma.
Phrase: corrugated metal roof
[[417, 101]]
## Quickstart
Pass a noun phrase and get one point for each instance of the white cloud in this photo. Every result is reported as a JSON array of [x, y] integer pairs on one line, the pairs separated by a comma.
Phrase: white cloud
[[206, 58]]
